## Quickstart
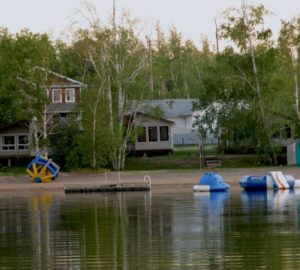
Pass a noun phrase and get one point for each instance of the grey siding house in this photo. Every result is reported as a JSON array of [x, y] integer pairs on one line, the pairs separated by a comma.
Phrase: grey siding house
[[156, 136], [183, 114]]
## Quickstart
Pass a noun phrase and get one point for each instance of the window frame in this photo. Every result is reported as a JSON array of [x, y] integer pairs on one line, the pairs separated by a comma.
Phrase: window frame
[[73, 95], [60, 95], [3, 145], [149, 133], [160, 134], [26, 145]]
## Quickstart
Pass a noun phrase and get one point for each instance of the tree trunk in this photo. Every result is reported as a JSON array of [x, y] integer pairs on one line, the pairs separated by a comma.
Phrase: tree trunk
[[258, 91], [35, 135], [296, 85], [150, 63], [217, 37], [45, 133], [94, 138], [110, 107], [185, 83]]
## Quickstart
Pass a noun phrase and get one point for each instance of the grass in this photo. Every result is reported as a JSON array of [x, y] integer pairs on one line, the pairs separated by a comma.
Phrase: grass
[[183, 158], [187, 157], [12, 171]]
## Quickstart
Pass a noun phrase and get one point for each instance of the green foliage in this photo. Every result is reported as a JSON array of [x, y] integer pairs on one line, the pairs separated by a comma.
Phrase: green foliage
[[64, 150], [118, 66], [19, 55], [156, 112]]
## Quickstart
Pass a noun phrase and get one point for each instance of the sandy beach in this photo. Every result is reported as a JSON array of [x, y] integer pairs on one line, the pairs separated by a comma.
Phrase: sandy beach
[[159, 179]]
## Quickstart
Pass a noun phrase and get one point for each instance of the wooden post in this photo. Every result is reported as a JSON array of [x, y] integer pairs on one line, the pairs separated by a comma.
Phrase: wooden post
[[201, 156]]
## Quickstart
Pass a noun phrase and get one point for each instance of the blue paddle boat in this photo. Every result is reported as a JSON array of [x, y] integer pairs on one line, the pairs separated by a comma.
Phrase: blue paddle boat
[[274, 180], [211, 181]]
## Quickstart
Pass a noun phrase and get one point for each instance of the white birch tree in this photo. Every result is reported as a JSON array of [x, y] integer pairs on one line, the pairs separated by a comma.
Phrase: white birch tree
[[246, 28], [289, 51], [117, 57]]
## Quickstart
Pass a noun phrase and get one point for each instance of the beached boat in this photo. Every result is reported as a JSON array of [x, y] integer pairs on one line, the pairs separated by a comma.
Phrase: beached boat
[[211, 181], [274, 180], [41, 169]]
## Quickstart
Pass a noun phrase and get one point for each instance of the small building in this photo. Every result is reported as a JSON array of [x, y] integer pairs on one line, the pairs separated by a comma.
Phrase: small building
[[182, 113], [155, 137], [293, 153]]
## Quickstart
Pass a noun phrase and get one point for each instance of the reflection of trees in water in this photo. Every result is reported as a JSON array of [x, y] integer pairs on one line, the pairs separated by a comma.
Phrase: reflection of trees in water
[[137, 230], [263, 231], [25, 227], [118, 229], [200, 231]]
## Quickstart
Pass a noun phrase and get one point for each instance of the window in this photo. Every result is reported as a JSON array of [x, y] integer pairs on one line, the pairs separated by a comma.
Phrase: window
[[142, 136], [164, 133], [70, 94], [23, 142], [152, 134], [8, 143], [56, 95]]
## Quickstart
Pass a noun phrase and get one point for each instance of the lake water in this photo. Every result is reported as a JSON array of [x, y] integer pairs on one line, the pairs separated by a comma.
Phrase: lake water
[[150, 230]]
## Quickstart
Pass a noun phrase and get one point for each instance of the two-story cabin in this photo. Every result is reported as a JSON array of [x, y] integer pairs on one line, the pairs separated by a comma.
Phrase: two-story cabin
[[64, 94], [15, 139]]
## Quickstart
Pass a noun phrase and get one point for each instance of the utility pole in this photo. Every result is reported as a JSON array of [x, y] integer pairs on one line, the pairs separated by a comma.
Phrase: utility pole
[[217, 36]]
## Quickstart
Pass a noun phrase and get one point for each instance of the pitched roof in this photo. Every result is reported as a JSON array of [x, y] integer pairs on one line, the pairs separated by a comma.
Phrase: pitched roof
[[159, 118], [52, 79], [58, 79], [170, 107], [18, 124]]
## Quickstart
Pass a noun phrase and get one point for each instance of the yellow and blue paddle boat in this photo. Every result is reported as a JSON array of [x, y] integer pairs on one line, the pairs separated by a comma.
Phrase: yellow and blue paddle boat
[[41, 169]]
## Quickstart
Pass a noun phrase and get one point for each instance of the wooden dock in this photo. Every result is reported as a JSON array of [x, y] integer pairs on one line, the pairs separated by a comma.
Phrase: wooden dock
[[116, 187]]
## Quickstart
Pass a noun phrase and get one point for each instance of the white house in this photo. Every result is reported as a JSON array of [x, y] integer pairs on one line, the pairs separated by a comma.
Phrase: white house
[[180, 111], [156, 136]]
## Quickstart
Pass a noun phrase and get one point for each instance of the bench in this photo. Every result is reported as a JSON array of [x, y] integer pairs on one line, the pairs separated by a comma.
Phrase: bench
[[213, 162]]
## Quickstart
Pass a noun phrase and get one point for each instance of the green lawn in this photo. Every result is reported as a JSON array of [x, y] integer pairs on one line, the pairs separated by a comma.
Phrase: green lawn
[[12, 171], [183, 158], [187, 157]]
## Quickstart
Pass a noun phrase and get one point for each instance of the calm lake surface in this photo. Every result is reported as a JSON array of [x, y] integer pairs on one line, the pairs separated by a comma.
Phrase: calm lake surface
[[150, 230]]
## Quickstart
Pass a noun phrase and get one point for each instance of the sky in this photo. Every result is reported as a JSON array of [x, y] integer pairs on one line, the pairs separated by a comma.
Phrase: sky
[[193, 18]]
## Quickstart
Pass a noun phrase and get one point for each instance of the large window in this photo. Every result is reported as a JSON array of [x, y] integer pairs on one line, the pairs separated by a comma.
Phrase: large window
[[70, 94], [23, 142], [142, 136], [152, 134], [8, 143], [164, 133], [56, 95]]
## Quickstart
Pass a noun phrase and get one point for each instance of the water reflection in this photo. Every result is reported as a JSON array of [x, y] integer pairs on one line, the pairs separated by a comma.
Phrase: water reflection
[[275, 200], [151, 231], [198, 232]]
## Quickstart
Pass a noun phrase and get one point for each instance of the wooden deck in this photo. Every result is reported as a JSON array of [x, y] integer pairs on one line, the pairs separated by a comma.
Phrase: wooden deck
[[116, 187]]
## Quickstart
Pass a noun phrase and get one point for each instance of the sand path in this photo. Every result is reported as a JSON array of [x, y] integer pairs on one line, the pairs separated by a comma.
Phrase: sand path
[[160, 179]]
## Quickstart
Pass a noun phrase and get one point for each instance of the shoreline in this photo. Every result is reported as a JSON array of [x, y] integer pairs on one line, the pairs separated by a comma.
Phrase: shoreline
[[159, 179]]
